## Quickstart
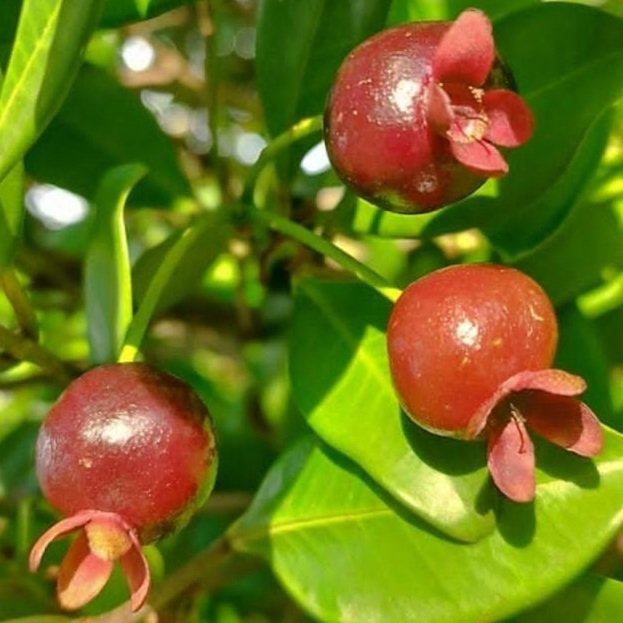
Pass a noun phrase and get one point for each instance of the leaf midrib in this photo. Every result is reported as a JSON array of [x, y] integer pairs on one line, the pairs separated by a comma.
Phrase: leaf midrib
[[275, 529]]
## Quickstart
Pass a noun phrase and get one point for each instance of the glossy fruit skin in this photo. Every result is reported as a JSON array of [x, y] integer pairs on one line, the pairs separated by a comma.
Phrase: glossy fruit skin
[[457, 334], [376, 132], [131, 440]]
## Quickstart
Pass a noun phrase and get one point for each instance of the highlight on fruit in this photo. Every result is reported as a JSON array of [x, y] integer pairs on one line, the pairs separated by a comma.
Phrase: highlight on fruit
[[127, 454], [417, 114], [470, 351]]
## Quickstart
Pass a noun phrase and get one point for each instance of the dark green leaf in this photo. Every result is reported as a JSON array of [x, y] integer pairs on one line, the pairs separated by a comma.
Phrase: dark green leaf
[[569, 74], [107, 281], [103, 125], [299, 48], [580, 352], [119, 12], [45, 57], [9, 15], [340, 381], [350, 555], [585, 248]]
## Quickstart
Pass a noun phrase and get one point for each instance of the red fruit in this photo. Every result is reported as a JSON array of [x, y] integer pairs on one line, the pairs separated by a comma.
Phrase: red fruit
[[416, 110], [470, 349], [126, 453]]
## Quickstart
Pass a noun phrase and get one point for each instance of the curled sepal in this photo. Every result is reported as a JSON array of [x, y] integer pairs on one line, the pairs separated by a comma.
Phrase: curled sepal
[[103, 539], [563, 420], [136, 571], [510, 459], [510, 121], [82, 575], [556, 382], [544, 402], [467, 51]]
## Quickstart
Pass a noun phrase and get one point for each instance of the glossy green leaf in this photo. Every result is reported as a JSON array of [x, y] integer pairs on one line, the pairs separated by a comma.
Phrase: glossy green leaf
[[11, 213], [590, 599], [45, 57], [569, 74], [203, 249], [107, 276], [299, 48], [87, 138], [340, 382], [181, 251], [348, 554], [119, 12]]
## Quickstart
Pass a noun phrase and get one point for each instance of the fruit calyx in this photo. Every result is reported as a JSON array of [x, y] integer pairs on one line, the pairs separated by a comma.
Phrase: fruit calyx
[[103, 539], [545, 402], [471, 118]]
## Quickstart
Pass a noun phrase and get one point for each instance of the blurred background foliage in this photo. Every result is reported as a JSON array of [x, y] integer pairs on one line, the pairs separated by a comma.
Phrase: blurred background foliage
[[177, 87]]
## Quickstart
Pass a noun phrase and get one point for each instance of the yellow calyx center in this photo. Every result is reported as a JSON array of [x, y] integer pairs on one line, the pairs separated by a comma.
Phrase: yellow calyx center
[[472, 129], [107, 540]]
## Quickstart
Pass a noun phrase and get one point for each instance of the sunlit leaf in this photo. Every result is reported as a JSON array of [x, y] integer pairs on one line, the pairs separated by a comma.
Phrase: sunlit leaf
[[348, 554], [11, 212], [340, 380], [197, 257], [180, 251], [45, 57], [107, 276]]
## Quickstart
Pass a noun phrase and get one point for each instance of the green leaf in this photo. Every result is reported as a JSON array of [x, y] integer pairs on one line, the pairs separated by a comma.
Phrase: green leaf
[[569, 74], [11, 213], [359, 216], [412, 10], [198, 255], [349, 555], [181, 251], [45, 57], [120, 12], [341, 383], [585, 248], [107, 281], [88, 137], [590, 599], [581, 352], [299, 48]]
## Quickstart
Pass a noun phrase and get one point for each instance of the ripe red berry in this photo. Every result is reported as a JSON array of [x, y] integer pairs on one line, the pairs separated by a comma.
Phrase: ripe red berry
[[416, 110], [126, 453], [470, 349]]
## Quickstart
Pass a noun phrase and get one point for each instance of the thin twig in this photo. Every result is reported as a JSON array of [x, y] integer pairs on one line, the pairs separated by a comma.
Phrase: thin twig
[[24, 313], [26, 349]]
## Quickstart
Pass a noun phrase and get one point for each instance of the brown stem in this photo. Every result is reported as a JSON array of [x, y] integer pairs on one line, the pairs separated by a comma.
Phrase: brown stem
[[25, 349], [22, 308], [211, 569]]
